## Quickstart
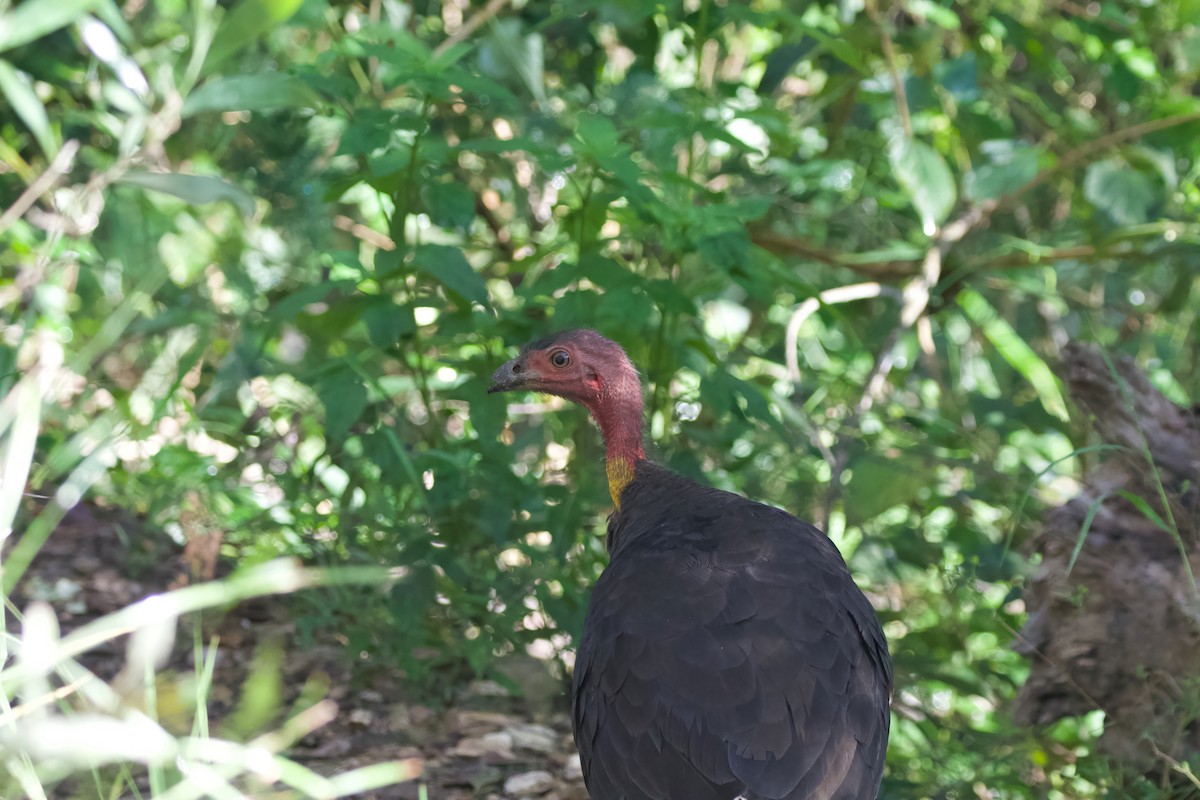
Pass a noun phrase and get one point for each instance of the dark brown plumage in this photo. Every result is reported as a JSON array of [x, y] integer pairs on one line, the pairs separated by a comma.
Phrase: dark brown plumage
[[727, 652]]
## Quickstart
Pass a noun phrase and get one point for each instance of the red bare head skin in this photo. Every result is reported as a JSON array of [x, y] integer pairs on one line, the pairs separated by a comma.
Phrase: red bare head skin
[[584, 367]]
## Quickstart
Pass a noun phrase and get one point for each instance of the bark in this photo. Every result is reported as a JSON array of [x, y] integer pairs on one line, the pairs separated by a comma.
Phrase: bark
[[1120, 629]]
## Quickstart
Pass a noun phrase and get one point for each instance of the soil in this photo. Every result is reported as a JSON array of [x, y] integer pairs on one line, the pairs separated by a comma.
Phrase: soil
[[487, 744]]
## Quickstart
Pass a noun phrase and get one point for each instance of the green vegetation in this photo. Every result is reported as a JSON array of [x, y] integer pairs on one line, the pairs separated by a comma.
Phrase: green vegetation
[[258, 260]]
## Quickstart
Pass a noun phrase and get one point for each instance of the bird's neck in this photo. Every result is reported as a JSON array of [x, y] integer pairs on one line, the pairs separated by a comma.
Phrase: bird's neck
[[618, 412]]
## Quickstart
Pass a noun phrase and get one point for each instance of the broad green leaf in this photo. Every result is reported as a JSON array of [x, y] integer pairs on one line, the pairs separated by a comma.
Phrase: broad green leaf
[[1013, 349], [449, 267], [878, 484], [195, 189], [960, 77], [388, 323], [509, 51], [248, 21], [1120, 191], [345, 399], [450, 204], [18, 90], [727, 251], [33, 19], [287, 308], [924, 176], [1011, 167], [1138, 60], [259, 92]]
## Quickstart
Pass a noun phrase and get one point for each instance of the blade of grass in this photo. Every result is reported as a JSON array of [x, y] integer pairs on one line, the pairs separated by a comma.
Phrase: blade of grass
[[1145, 509], [204, 675], [282, 576], [21, 768], [1013, 349], [39, 530], [156, 773], [23, 100], [375, 776], [33, 19], [1028, 493], [1093, 510], [25, 407], [1170, 526]]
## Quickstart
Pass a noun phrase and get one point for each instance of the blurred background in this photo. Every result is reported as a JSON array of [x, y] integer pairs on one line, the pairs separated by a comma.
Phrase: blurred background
[[259, 258]]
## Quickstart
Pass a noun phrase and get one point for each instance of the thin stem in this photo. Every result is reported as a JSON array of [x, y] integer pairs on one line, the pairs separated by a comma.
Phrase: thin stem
[[889, 57]]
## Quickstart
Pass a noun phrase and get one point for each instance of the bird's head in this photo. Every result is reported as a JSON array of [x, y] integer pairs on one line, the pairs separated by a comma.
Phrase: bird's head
[[579, 365], [586, 368]]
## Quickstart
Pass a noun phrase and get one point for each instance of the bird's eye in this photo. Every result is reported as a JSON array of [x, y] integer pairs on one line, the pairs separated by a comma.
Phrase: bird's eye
[[560, 358]]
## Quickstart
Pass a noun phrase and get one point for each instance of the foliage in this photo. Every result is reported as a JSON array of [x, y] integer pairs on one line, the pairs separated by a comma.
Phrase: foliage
[[272, 251]]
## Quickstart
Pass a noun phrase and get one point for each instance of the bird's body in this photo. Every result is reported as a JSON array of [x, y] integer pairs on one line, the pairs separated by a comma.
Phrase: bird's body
[[727, 651]]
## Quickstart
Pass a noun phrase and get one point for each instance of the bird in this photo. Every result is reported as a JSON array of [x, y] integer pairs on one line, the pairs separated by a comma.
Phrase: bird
[[727, 653]]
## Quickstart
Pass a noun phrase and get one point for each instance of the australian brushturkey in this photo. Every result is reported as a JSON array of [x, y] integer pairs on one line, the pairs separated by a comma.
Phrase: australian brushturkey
[[727, 652]]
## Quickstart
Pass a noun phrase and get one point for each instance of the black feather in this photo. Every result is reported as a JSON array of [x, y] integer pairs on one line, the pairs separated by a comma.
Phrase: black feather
[[727, 651]]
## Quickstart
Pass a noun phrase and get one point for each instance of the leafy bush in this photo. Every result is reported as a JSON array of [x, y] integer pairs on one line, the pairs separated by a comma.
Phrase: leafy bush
[[271, 253]]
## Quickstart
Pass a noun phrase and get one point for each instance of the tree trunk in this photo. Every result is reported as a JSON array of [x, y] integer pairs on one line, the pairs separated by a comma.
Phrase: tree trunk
[[1119, 629]]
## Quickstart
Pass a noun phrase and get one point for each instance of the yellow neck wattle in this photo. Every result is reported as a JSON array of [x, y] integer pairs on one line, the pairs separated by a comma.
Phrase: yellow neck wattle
[[620, 473]]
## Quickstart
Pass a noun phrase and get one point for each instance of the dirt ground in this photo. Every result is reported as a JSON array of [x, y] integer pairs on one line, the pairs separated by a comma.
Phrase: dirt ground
[[486, 744]]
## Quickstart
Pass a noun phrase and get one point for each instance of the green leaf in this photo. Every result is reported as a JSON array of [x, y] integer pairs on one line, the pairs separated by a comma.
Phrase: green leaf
[[924, 176], [1138, 60], [450, 205], [250, 93], [508, 52], [1124, 194], [1092, 511], [194, 189], [1146, 511], [388, 323], [345, 399], [287, 308], [449, 267], [938, 15], [726, 251], [249, 21], [18, 90], [1011, 167], [33, 19], [262, 693], [878, 484], [1013, 349]]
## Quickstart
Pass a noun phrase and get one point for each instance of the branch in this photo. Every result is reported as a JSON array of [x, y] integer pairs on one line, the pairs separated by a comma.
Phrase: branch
[[487, 12], [889, 56], [364, 232], [842, 294], [59, 167], [783, 245], [1073, 157]]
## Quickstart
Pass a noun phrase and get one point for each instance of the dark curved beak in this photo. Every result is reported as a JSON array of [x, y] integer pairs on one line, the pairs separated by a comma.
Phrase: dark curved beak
[[510, 377]]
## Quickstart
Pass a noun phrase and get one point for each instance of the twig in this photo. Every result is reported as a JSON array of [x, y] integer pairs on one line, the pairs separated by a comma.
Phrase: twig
[[780, 244], [59, 167], [1117, 137], [841, 294], [916, 296], [364, 232], [487, 12], [889, 56], [1182, 769]]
